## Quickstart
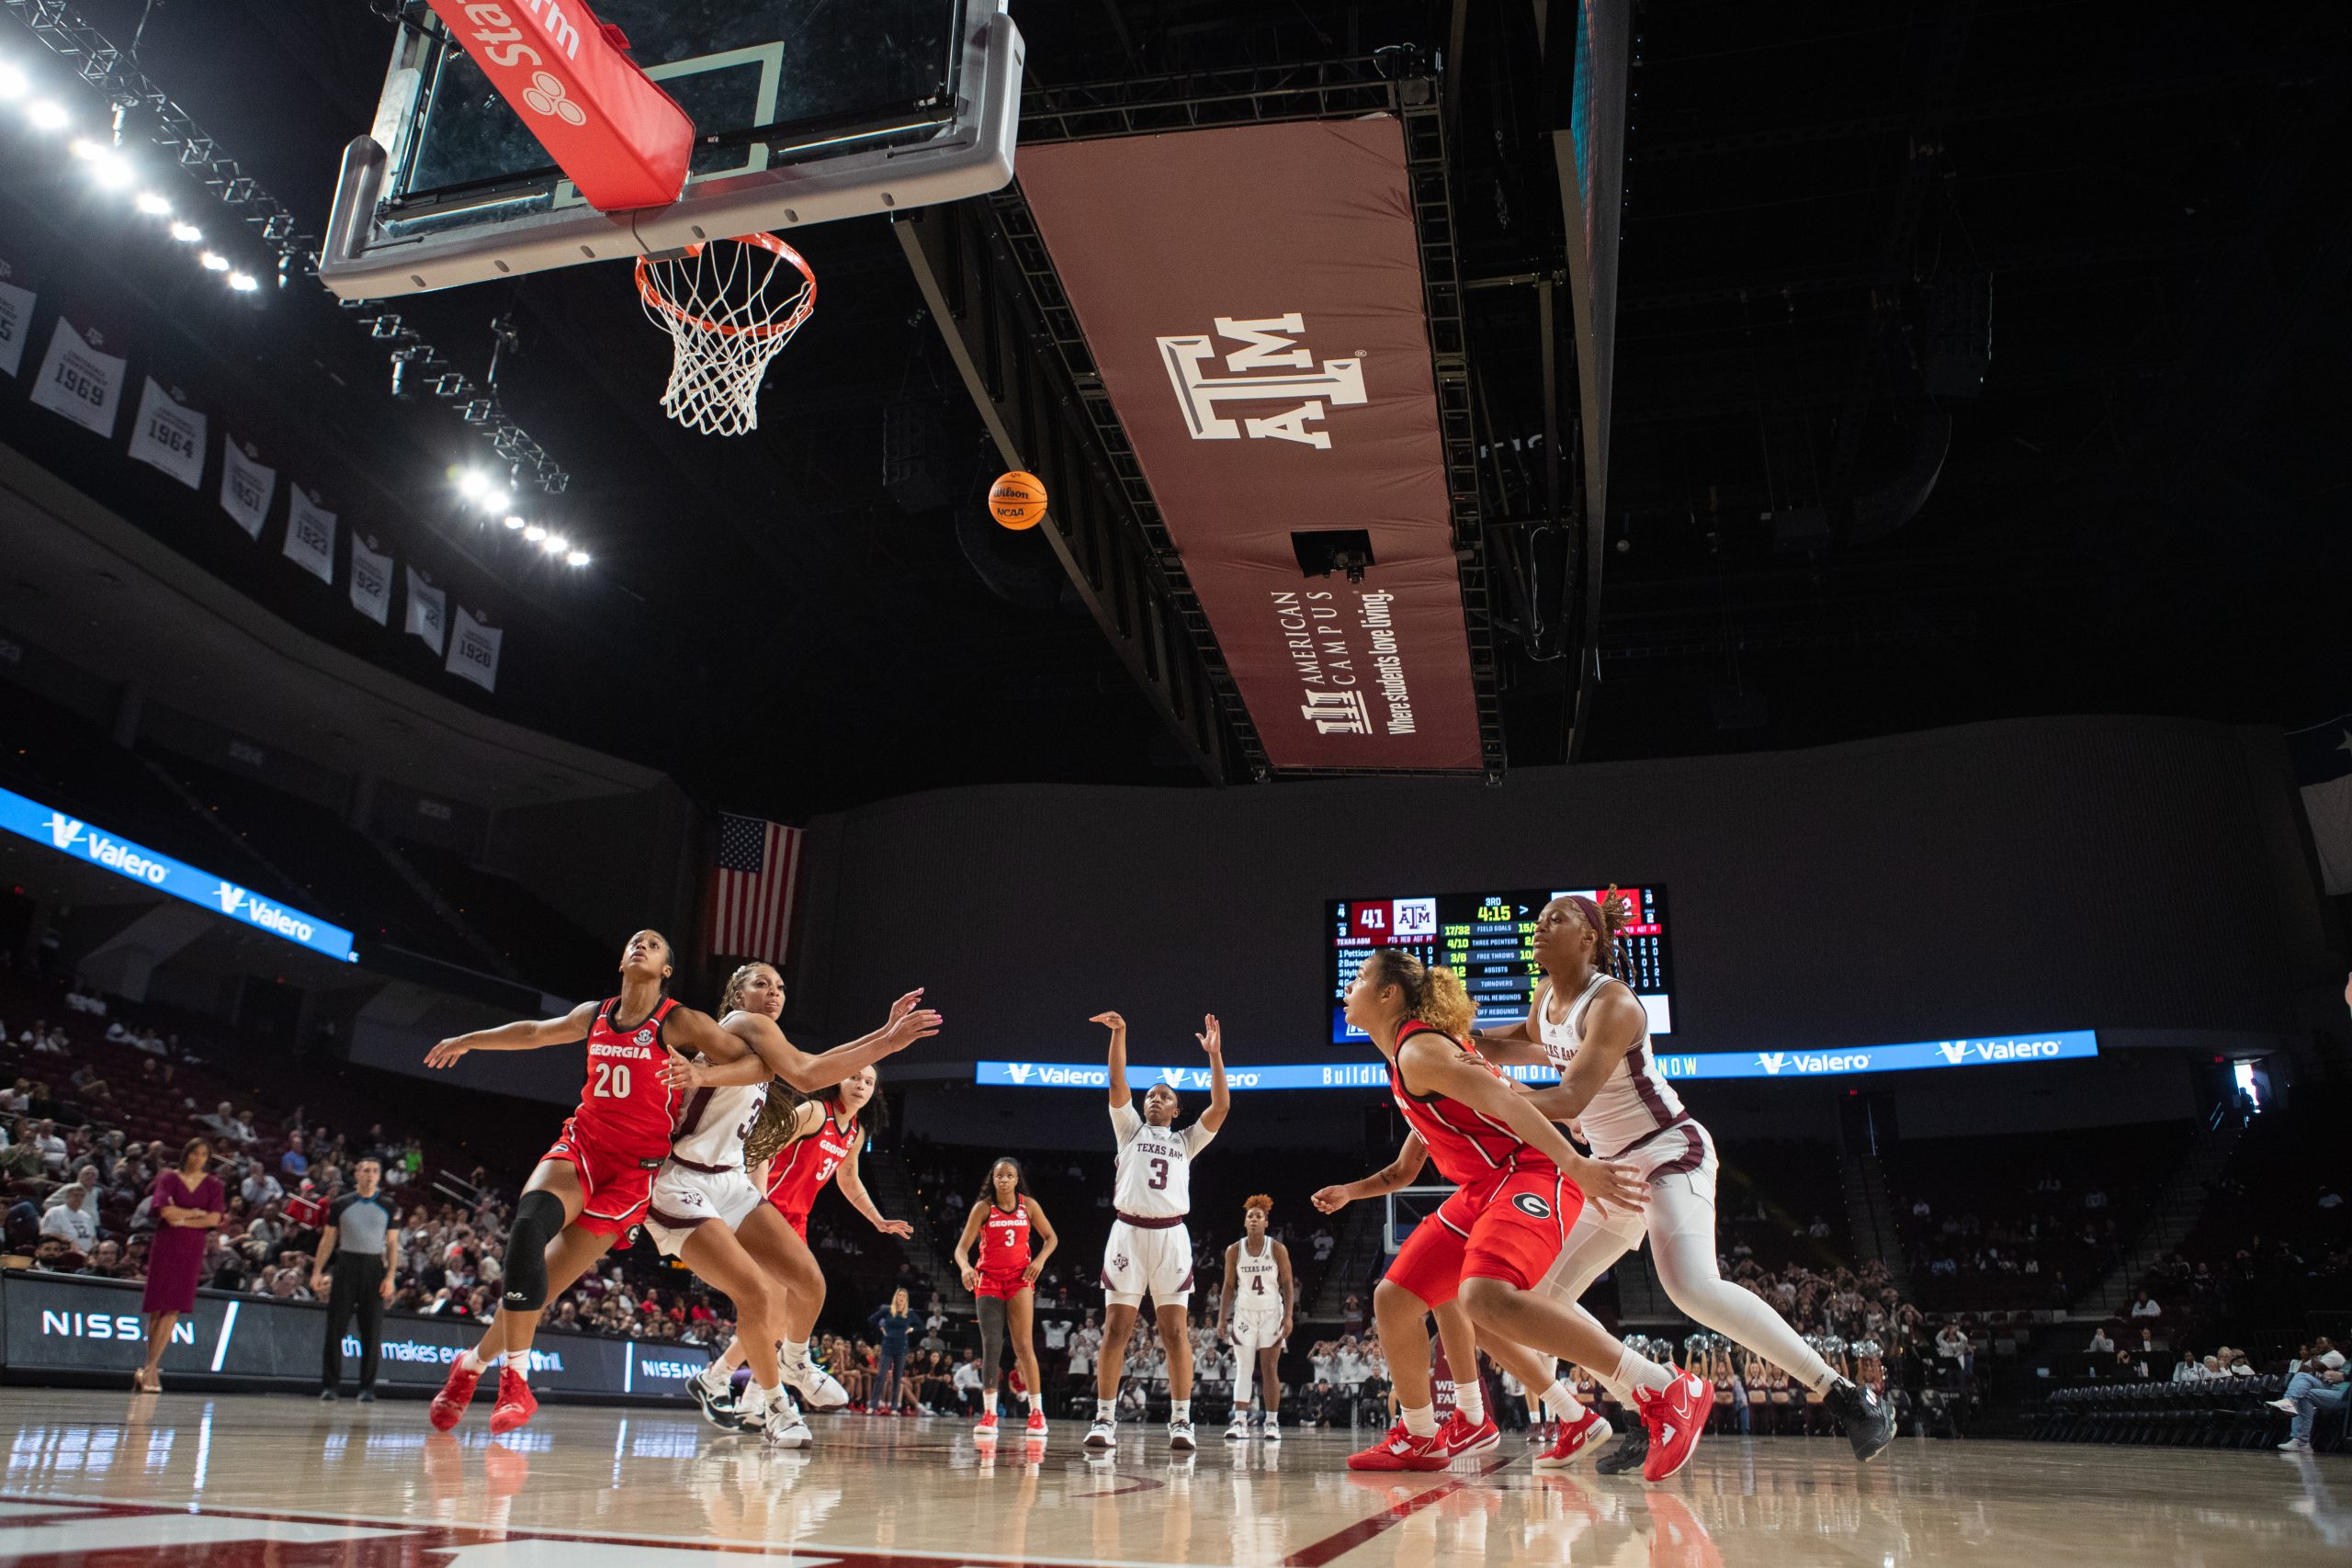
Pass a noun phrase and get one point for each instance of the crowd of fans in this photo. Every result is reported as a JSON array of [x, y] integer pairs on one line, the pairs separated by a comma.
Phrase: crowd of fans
[[79, 1161]]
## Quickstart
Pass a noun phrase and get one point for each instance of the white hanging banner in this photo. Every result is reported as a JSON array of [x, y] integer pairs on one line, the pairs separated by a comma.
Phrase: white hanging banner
[[246, 484], [427, 605], [473, 650], [16, 320], [168, 435], [80, 379], [371, 580], [309, 534]]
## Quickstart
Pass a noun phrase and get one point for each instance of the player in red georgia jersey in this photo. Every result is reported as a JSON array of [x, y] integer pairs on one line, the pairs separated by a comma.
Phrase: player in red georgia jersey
[[1003, 1282], [1520, 1184], [593, 1182]]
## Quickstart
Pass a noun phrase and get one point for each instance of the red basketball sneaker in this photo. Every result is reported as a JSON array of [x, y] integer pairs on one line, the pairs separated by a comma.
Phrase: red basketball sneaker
[[1459, 1437], [1038, 1421], [515, 1402], [1402, 1450], [1675, 1416], [986, 1426], [457, 1393], [1572, 1439]]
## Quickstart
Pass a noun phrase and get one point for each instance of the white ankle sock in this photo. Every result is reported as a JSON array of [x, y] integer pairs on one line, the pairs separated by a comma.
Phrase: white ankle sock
[[1471, 1400], [518, 1362], [792, 1352], [1561, 1401], [471, 1361], [1106, 1410], [1640, 1372], [1421, 1422], [1180, 1410]]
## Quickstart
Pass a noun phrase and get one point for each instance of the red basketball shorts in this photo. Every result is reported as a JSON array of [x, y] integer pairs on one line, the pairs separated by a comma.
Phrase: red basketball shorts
[[1508, 1227], [616, 1182], [1001, 1285], [797, 1218]]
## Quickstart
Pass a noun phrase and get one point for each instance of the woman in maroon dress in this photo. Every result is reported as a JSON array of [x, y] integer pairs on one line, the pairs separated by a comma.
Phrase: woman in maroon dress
[[188, 1203]]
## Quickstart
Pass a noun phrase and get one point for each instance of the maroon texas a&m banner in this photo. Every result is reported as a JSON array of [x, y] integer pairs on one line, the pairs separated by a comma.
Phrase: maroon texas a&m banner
[[1253, 294]]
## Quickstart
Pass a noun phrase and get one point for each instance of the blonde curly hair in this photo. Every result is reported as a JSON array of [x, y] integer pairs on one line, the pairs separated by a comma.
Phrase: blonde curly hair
[[1434, 995]]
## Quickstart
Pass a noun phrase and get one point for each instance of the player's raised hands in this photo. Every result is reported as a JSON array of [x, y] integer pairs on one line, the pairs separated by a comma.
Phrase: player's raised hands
[[910, 1023], [1211, 1037], [1109, 1021], [445, 1053]]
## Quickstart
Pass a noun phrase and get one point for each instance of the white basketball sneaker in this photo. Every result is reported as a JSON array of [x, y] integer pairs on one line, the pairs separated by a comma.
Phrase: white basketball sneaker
[[1102, 1435], [785, 1428], [1237, 1429], [812, 1383], [1180, 1437], [1273, 1427]]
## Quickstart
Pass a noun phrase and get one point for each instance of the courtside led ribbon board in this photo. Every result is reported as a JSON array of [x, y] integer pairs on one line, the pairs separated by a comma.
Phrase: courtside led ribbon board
[[136, 863], [2000, 1050]]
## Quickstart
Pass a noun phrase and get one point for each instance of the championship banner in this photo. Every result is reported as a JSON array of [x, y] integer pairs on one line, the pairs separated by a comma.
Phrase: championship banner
[[427, 610], [309, 534], [246, 484], [371, 580], [79, 379], [168, 435], [1281, 403], [16, 320], [473, 650]]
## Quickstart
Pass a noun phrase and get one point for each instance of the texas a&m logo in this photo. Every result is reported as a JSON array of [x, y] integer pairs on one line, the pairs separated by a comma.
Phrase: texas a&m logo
[[1269, 367]]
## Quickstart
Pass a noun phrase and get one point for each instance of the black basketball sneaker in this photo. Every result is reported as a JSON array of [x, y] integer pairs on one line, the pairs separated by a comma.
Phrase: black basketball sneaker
[[1869, 1420], [1631, 1447]]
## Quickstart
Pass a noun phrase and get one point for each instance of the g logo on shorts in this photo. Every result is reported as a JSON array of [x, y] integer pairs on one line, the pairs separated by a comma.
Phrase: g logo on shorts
[[1530, 1204]]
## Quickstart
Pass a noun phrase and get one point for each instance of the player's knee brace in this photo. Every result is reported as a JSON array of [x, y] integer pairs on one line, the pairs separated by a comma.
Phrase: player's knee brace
[[539, 1220]]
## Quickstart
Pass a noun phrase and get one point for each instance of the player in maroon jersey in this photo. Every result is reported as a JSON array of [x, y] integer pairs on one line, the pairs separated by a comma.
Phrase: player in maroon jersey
[[593, 1182], [1520, 1184], [822, 1136], [1003, 1282]]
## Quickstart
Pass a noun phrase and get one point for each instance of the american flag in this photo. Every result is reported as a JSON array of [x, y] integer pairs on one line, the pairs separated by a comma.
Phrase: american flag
[[752, 887]]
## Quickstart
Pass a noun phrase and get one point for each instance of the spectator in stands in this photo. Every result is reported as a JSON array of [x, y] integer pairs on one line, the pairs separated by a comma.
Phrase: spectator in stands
[[2101, 1344], [16, 1099], [967, 1383], [70, 1221], [1953, 1345], [85, 1182], [259, 1187], [2143, 1306], [48, 1041], [87, 1085], [20, 1158], [51, 1147], [106, 1262], [1323, 1241], [293, 1164], [118, 1034]]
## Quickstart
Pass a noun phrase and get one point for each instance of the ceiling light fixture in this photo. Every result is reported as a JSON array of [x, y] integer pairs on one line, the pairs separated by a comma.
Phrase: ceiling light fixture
[[47, 116], [187, 233], [535, 532], [514, 520], [13, 85], [555, 544], [577, 557], [244, 282], [153, 205], [214, 261]]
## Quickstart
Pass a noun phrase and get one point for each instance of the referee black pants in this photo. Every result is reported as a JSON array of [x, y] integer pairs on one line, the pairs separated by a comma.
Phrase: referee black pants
[[357, 1286]]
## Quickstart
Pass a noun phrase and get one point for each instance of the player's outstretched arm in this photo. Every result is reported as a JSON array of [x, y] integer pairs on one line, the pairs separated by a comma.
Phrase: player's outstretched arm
[[1441, 1069], [1212, 1039], [1398, 1172], [853, 1186], [1611, 1028], [1120, 1094], [524, 1034]]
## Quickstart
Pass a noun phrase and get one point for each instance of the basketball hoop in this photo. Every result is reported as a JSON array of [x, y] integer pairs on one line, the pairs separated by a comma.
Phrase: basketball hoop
[[729, 306]]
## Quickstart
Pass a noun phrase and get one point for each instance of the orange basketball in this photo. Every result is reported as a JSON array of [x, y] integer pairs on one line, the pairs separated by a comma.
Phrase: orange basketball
[[1017, 500]]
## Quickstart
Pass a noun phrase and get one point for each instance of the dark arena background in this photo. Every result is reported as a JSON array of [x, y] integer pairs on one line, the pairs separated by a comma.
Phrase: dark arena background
[[1831, 517]]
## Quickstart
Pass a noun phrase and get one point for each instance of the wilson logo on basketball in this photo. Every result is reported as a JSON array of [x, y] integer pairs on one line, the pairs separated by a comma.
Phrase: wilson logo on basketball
[[1269, 367], [544, 95], [1528, 1203]]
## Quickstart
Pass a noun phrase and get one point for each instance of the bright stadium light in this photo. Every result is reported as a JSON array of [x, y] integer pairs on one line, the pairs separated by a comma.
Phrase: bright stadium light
[[535, 532], [46, 115], [13, 85], [577, 557], [153, 205], [214, 261], [555, 544], [187, 233], [244, 282], [514, 520]]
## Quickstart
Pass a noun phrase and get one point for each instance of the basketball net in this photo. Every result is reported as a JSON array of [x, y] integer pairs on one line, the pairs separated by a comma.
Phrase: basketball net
[[729, 306]]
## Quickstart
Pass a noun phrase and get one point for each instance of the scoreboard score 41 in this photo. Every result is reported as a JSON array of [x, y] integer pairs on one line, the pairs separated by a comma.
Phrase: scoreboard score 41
[[1487, 939]]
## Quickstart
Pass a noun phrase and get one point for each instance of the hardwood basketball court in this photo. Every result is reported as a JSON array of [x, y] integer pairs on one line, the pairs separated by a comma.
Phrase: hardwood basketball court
[[114, 1479]]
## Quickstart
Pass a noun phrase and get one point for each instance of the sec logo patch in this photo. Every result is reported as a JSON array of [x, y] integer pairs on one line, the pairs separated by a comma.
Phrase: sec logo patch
[[1528, 1203]]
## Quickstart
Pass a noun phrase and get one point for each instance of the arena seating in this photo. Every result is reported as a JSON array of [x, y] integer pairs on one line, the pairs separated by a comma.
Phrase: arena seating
[[2227, 1414]]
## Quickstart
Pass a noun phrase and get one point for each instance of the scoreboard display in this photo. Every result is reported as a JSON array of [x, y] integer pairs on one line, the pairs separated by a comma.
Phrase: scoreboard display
[[1488, 939]]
